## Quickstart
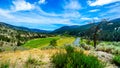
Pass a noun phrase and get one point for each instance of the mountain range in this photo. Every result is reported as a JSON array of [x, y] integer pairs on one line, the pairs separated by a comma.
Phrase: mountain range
[[109, 31], [24, 28], [15, 35]]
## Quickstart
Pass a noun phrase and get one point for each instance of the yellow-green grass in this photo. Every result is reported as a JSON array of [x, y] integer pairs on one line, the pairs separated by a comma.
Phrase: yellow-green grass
[[39, 42], [65, 40], [43, 42]]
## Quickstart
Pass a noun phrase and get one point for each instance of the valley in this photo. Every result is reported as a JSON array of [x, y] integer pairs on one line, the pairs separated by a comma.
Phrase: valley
[[22, 47]]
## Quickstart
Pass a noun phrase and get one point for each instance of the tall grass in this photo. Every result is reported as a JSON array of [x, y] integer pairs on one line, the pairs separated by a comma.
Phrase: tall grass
[[33, 63], [116, 60], [109, 47], [75, 59]]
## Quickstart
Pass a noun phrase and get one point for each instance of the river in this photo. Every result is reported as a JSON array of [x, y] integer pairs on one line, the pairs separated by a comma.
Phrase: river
[[77, 41]]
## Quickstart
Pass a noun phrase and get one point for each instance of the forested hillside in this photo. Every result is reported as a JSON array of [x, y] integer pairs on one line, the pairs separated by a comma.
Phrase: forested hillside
[[109, 31]]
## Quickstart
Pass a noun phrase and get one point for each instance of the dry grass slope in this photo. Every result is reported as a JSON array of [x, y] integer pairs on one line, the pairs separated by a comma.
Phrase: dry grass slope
[[18, 59]]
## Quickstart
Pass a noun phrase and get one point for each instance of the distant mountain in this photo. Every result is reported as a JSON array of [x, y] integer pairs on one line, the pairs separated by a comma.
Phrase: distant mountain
[[14, 35], [72, 30], [109, 31], [24, 28]]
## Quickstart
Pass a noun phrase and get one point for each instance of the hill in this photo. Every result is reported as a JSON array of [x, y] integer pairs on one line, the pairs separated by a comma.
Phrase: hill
[[108, 31], [24, 28], [13, 35]]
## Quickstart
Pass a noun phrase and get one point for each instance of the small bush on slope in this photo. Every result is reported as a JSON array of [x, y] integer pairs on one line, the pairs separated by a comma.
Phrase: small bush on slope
[[116, 60], [53, 42], [74, 59], [32, 62], [4, 65]]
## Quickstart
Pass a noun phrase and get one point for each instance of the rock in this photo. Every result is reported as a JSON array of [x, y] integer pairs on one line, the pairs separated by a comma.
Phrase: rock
[[105, 57]]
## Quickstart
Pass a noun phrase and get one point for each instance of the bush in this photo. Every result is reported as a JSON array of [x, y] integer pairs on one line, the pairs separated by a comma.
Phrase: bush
[[87, 41], [69, 49], [116, 60], [32, 62], [74, 59], [4, 65], [53, 42]]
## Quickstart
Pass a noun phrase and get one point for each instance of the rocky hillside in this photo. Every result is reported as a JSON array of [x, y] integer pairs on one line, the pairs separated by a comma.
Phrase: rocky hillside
[[11, 35]]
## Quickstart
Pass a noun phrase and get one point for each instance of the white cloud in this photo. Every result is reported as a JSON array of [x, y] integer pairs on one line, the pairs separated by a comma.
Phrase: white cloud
[[68, 14], [94, 10], [21, 5], [6, 13], [113, 6], [34, 18], [73, 4], [96, 18], [40, 17], [42, 1], [112, 12], [101, 2], [71, 8], [71, 15], [85, 18]]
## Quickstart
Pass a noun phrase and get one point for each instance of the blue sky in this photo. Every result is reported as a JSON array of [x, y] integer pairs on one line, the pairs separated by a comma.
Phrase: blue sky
[[52, 14]]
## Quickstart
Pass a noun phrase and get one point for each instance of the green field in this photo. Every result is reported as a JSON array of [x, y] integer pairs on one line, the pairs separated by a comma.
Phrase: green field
[[42, 42]]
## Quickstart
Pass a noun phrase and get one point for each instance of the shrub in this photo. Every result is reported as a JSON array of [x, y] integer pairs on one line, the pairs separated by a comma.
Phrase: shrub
[[53, 42], [74, 59], [59, 59], [4, 65], [32, 62], [87, 41], [69, 49], [1, 49], [116, 60]]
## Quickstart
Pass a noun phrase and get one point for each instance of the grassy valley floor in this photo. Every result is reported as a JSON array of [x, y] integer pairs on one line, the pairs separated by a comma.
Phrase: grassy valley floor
[[44, 42]]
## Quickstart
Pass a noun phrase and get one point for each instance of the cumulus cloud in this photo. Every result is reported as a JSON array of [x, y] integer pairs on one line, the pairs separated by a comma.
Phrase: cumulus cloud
[[101, 2], [21, 5]]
